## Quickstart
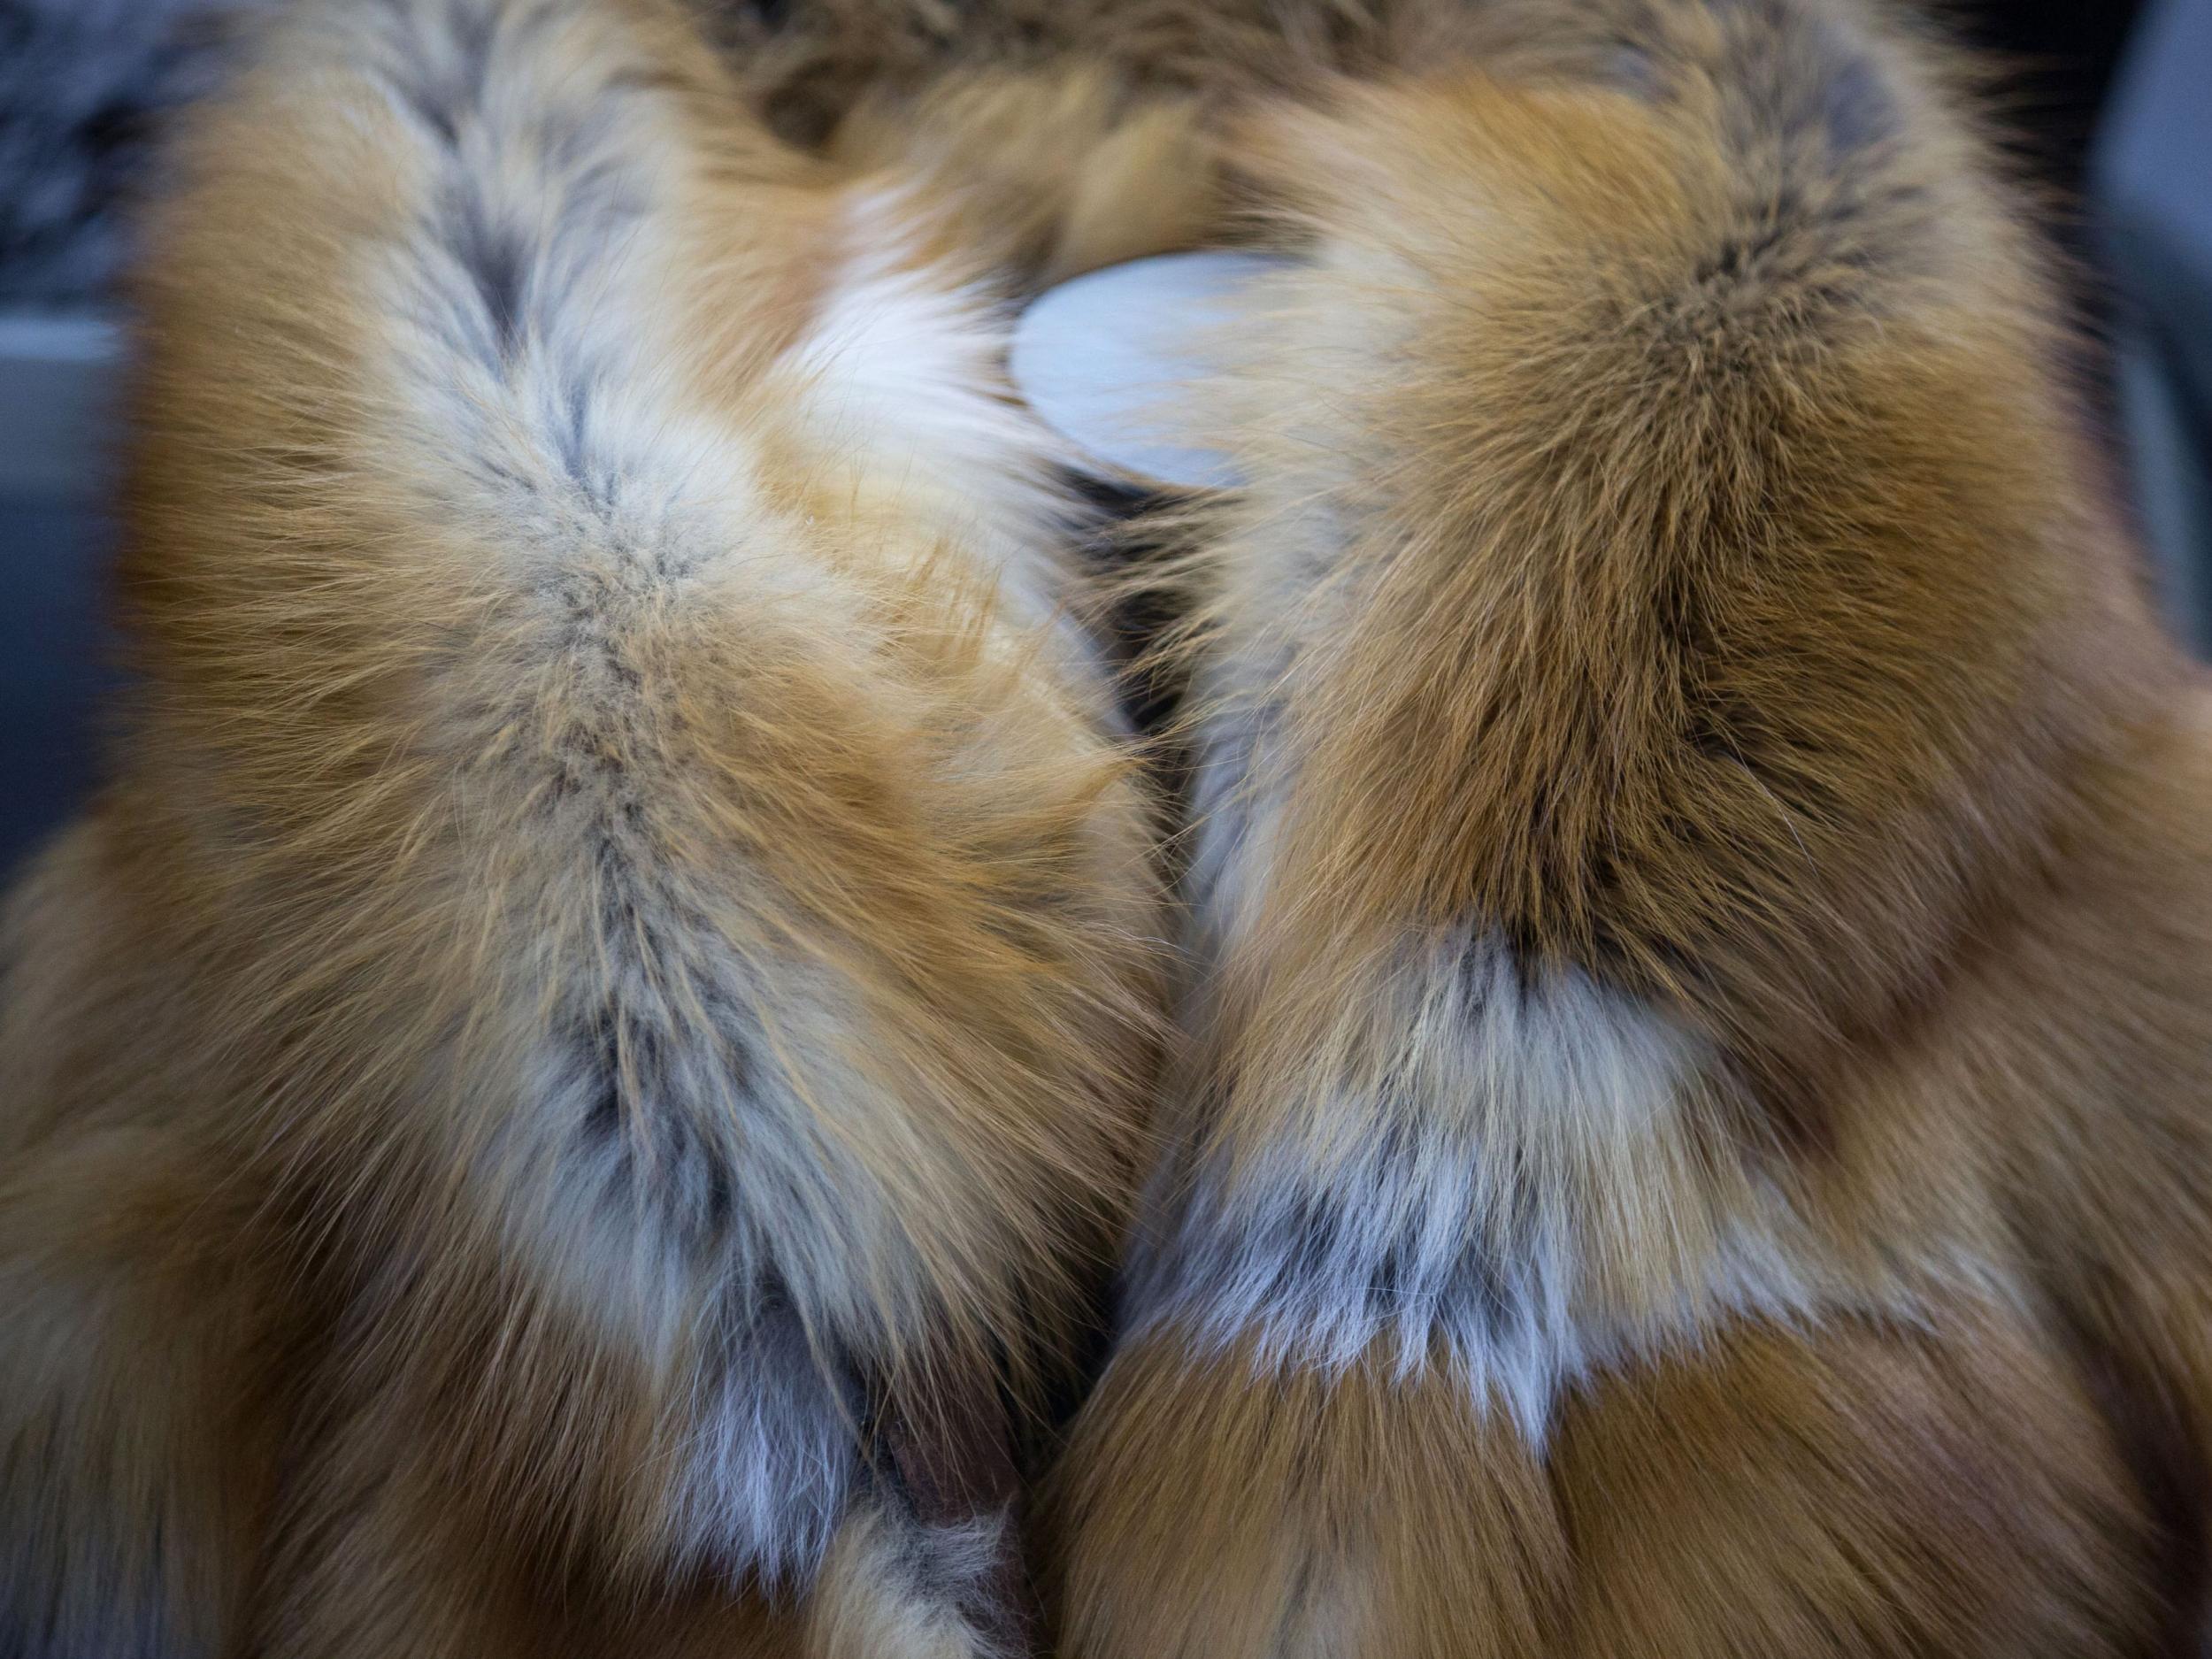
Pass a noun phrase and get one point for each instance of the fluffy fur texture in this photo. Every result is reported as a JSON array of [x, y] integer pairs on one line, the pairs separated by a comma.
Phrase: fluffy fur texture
[[1704, 990], [580, 1063], [574, 1086]]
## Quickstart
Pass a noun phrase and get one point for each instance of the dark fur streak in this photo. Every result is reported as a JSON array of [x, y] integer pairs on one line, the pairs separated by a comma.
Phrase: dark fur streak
[[444, 101], [497, 260]]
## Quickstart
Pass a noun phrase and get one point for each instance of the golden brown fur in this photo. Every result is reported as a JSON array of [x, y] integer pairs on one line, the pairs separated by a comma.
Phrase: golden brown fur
[[599, 1034], [1874, 1490], [1301, 1526], [1694, 1137], [1704, 927]]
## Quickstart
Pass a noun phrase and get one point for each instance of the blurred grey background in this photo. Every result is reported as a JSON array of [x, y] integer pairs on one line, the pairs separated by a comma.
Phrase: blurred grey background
[[84, 88], [2111, 104]]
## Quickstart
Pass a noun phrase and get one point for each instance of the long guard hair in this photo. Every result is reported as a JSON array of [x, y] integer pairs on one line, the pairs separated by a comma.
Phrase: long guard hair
[[1695, 1139], [571, 1095]]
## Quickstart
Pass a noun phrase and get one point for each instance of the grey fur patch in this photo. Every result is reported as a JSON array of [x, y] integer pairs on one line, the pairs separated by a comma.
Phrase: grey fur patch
[[774, 1463], [1857, 107], [926, 1589], [1384, 1248], [1435, 1219]]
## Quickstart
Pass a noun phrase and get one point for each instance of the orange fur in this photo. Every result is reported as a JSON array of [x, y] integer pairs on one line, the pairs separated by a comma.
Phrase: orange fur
[[621, 900], [1230, 1513], [1695, 1133], [1700, 955], [1867, 1492]]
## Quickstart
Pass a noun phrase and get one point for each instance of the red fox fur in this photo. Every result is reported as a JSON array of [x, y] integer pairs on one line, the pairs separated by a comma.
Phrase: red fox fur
[[1696, 1135], [578, 1079], [564, 1101]]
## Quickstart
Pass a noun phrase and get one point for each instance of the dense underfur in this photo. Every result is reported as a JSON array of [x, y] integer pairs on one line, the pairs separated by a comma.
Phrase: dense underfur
[[577, 1083], [1695, 1139], [570, 1086]]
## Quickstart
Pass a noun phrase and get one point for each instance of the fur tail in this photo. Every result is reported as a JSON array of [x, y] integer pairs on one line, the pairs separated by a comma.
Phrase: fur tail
[[620, 849], [1667, 615], [1687, 515]]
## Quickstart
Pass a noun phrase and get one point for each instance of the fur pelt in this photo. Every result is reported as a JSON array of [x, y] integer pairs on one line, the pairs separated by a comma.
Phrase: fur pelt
[[572, 1092], [576, 1090], [1695, 1140]]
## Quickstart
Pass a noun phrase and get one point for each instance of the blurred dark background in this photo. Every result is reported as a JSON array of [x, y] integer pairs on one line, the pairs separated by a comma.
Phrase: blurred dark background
[[2110, 105], [2059, 57]]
